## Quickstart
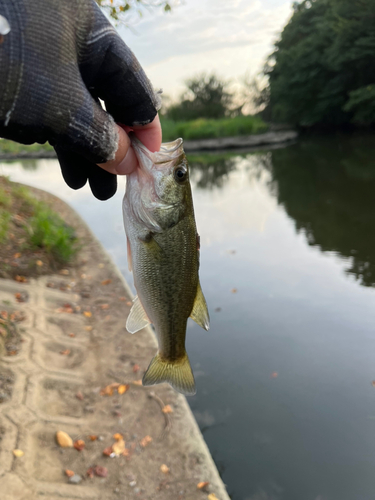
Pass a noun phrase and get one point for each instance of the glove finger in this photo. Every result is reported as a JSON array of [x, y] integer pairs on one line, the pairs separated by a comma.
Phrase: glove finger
[[76, 170], [111, 71], [102, 183]]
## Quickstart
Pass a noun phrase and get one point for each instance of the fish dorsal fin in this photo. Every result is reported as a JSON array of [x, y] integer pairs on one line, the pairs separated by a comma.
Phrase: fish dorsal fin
[[199, 314], [137, 318]]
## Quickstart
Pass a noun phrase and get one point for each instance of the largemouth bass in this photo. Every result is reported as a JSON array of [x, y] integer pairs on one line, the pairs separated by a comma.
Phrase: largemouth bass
[[163, 253]]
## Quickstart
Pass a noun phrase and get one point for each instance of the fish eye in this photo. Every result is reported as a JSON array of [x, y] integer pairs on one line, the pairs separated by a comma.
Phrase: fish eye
[[180, 174]]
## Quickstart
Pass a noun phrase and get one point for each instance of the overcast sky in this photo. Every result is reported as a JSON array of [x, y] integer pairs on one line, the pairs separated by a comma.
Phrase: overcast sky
[[228, 37]]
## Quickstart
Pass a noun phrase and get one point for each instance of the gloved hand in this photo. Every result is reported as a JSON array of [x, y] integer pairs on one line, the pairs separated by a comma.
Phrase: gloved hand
[[59, 57]]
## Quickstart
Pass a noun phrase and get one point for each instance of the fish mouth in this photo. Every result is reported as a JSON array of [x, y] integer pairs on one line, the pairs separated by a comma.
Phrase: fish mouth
[[169, 152]]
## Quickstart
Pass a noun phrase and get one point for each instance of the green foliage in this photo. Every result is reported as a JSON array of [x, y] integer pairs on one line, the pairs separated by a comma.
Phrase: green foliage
[[5, 198], [207, 97], [4, 224], [325, 56], [118, 9], [12, 147], [47, 230], [207, 129], [362, 103]]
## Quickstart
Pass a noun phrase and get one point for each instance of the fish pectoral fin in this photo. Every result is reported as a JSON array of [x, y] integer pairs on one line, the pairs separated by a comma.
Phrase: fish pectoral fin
[[177, 373], [130, 267], [199, 314], [137, 318]]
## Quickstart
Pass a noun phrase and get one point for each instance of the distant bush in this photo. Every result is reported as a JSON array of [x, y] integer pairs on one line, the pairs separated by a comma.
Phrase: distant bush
[[206, 129]]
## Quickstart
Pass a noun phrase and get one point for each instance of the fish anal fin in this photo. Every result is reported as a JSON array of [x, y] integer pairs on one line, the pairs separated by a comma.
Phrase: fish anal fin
[[137, 318], [177, 373], [199, 314], [130, 266]]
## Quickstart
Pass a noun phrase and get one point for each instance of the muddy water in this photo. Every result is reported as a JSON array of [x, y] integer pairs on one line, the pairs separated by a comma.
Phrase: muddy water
[[285, 397]]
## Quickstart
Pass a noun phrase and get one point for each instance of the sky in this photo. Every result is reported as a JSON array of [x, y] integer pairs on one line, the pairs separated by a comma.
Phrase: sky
[[228, 37]]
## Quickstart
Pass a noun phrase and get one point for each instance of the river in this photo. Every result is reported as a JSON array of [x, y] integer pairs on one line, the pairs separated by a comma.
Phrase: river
[[285, 396]]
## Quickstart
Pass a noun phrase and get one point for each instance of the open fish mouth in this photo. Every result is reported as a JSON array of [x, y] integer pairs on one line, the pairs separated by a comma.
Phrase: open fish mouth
[[169, 152]]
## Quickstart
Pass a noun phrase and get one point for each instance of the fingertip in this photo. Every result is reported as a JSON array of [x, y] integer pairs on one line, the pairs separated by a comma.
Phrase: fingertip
[[150, 135], [125, 161]]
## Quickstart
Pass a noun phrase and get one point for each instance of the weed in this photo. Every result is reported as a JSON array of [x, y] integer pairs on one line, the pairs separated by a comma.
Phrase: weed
[[48, 231], [4, 224]]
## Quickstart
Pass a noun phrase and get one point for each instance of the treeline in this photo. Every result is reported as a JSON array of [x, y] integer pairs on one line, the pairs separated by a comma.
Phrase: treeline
[[208, 109], [322, 71]]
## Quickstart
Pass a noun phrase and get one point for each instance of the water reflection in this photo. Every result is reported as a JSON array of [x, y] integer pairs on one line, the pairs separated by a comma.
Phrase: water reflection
[[327, 187]]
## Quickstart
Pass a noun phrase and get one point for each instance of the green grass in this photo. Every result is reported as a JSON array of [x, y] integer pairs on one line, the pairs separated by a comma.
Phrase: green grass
[[4, 224], [207, 129], [48, 231], [11, 147]]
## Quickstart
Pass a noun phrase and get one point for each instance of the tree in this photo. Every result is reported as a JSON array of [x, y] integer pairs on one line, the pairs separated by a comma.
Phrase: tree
[[119, 9], [206, 97], [324, 63]]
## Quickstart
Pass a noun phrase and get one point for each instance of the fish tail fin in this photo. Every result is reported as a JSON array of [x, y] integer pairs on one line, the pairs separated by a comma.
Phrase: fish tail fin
[[177, 373]]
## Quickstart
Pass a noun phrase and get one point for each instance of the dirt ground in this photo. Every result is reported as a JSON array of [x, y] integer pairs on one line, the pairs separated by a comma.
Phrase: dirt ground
[[78, 370]]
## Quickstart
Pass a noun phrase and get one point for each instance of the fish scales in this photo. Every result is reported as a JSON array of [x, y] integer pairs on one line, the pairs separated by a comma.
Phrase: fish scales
[[164, 255]]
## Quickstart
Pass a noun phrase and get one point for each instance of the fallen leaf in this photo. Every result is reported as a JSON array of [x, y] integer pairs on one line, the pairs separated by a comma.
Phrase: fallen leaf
[[167, 409], [118, 436], [65, 352], [108, 451], [69, 473], [118, 447], [274, 375], [88, 314], [88, 328], [39, 263], [137, 382], [100, 471], [145, 441], [17, 255], [202, 485], [106, 282], [104, 306], [122, 388], [21, 296], [125, 453], [79, 396], [123, 299], [64, 271], [71, 335], [79, 444], [108, 391], [129, 303], [136, 368], [100, 266], [21, 279], [90, 472], [212, 496], [18, 453], [64, 440], [164, 469], [93, 437]]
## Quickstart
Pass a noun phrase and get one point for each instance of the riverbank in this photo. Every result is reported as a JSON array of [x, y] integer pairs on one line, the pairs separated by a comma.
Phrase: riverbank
[[78, 371], [215, 144]]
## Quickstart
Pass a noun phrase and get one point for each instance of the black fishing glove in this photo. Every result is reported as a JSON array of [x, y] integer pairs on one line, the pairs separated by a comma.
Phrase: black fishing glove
[[59, 57]]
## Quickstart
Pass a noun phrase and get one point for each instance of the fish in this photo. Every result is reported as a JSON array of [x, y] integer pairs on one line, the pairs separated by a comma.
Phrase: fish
[[163, 254]]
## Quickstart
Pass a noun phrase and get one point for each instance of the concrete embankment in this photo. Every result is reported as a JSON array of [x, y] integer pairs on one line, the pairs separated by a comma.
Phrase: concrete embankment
[[79, 372], [242, 142], [239, 142]]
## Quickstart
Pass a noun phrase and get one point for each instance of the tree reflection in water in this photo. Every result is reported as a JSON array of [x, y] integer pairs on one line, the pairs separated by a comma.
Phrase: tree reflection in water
[[328, 187]]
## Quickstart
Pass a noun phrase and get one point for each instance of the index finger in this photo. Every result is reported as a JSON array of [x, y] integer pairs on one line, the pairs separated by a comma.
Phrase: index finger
[[150, 135]]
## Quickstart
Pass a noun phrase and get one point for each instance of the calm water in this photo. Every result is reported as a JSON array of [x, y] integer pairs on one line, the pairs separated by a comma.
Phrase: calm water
[[285, 397]]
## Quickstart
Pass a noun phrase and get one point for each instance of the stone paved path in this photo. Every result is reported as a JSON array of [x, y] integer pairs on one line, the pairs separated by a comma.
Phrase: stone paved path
[[74, 344]]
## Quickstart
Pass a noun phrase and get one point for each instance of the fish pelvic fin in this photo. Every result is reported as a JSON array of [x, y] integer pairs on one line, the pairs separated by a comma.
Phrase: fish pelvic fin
[[199, 314], [137, 318], [177, 373]]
